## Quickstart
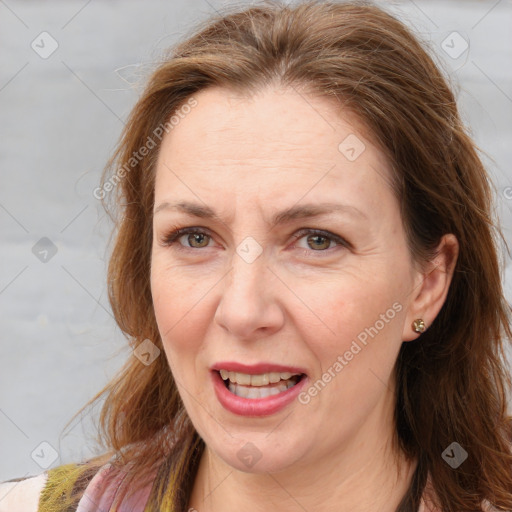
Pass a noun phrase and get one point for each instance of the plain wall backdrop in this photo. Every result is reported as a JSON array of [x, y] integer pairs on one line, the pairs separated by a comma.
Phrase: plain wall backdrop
[[70, 71]]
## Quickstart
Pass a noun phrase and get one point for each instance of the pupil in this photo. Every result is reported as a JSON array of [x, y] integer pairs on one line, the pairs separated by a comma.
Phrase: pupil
[[197, 238], [318, 237]]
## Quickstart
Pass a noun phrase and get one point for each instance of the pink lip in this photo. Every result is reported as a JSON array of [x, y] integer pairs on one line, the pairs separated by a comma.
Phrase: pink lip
[[255, 406]]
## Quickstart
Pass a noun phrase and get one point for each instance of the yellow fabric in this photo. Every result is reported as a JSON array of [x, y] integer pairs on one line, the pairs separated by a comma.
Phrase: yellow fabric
[[65, 486], [56, 495]]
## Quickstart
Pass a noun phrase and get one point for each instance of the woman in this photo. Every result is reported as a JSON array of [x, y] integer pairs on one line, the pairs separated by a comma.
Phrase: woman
[[306, 268]]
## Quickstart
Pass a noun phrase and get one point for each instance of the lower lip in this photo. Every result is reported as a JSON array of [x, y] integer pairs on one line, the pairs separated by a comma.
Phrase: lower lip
[[254, 406]]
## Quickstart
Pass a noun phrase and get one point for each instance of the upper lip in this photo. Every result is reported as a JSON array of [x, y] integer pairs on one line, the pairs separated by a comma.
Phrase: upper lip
[[255, 369]]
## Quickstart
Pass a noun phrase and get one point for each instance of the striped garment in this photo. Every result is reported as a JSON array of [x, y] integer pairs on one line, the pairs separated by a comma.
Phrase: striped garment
[[99, 489], [100, 492]]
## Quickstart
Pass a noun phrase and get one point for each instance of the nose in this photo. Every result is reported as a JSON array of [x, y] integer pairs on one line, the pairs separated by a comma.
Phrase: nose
[[249, 306]]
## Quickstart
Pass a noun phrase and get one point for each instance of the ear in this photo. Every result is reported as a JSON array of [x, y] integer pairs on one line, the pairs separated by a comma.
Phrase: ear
[[431, 286]]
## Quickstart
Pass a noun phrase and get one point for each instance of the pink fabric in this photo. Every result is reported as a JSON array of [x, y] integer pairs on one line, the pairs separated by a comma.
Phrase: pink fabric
[[102, 491]]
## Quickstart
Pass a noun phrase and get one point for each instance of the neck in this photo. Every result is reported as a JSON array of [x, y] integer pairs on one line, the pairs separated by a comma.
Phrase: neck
[[363, 476]]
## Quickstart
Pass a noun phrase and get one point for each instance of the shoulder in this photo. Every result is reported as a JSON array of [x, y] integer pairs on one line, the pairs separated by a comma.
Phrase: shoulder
[[46, 491], [74, 487], [22, 494]]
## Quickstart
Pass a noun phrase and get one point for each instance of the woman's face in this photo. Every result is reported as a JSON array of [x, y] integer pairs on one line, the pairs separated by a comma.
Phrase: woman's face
[[283, 313]]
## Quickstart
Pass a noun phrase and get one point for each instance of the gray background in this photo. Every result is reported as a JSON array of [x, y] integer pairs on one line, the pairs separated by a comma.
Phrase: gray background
[[60, 118]]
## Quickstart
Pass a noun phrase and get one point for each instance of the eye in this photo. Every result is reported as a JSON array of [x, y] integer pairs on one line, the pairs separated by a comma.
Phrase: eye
[[319, 240], [195, 237], [198, 238]]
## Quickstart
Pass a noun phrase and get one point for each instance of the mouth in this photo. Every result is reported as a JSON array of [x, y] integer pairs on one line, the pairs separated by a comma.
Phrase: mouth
[[256, 390], [261, 385]]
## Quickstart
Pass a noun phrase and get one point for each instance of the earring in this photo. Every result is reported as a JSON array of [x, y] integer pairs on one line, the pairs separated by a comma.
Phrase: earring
[[418, 325]]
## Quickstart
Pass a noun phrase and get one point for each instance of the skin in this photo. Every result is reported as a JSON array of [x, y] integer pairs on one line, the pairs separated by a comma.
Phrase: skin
[[301, 302]]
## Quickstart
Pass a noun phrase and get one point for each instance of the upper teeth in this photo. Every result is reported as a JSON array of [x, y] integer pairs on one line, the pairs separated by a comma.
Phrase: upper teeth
[[255, 380]]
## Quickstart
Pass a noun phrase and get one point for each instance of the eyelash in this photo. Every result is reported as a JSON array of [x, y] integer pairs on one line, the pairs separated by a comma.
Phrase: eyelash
[[170, 239]]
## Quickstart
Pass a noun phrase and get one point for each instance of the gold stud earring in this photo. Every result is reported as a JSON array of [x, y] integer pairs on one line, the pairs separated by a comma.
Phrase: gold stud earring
[[419, 325]]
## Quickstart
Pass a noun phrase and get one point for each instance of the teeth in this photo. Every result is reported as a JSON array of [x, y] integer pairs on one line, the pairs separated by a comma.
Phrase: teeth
[[240, 378], [258, 386], [258, 392], [256, 380], [274, 377]]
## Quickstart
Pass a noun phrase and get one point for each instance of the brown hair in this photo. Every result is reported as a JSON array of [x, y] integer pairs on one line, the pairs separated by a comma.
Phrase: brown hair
[[452, 383]]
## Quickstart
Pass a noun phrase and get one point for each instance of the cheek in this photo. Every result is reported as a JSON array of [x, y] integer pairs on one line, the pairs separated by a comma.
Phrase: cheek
[[360, 321], [179, 305], [346, 307], [181, 310]]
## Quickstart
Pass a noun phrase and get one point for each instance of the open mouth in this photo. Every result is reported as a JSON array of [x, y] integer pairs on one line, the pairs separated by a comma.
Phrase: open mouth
[[262, 385]]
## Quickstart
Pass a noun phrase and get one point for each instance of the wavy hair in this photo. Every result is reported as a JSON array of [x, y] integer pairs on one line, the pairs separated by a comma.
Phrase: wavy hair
[[452, 383]]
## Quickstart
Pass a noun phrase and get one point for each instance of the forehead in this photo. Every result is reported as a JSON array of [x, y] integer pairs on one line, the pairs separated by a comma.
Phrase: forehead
[[281, 119], [277, 143]]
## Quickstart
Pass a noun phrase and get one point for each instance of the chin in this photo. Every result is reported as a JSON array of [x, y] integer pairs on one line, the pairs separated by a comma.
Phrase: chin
[[257, 453]]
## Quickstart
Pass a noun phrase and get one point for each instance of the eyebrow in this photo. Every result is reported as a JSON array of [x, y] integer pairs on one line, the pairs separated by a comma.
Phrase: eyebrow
[[283, 217]]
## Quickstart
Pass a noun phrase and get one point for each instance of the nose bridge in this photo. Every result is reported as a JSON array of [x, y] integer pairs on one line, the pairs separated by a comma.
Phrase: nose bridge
[[248, 267], [244, 281], [247, 303]]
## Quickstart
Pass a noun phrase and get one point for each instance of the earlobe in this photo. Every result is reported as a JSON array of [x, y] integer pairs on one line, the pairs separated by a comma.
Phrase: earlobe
[[430, 293]]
